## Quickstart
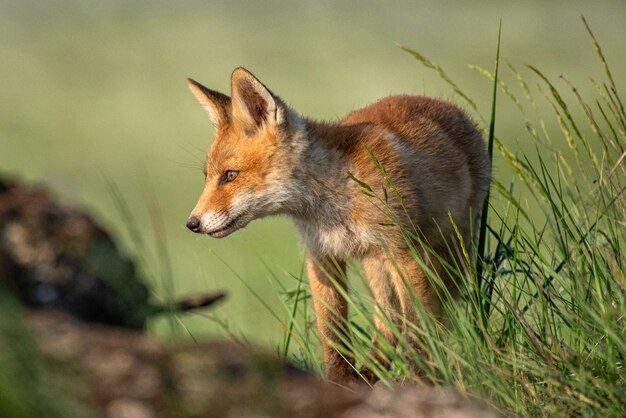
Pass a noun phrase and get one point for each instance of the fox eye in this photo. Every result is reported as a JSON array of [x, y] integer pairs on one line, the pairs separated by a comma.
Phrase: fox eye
[[229, 175]]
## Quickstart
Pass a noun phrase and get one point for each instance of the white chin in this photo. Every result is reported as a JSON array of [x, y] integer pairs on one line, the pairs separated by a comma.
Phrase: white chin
[[232, 226], [221, 233]]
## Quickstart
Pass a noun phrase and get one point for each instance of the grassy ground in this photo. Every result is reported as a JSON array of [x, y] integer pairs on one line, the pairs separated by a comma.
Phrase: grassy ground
[[94, 96]]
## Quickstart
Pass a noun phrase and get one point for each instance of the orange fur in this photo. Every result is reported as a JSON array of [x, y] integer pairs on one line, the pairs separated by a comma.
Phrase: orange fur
[[432, 154]]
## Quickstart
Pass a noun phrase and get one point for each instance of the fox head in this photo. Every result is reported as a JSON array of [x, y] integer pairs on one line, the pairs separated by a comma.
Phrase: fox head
[[249, 171]]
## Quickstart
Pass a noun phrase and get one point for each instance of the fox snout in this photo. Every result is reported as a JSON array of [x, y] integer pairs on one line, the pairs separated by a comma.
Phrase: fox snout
[[218, 224]]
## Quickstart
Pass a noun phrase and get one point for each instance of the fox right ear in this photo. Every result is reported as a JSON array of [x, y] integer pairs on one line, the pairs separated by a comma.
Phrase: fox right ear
[[215, 103]]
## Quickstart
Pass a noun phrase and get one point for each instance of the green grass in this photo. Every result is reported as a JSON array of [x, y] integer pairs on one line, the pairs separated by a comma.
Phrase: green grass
[[539, 330]]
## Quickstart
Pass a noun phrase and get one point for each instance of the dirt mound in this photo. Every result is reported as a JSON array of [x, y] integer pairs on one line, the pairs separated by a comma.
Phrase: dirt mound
[[120, 373]]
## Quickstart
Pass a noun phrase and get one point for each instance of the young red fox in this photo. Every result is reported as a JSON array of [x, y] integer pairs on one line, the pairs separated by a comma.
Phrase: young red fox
[[267, 159]]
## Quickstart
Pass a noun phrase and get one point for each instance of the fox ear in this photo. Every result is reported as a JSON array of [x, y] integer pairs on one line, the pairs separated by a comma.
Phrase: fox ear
[[215, 103], [253, 103]]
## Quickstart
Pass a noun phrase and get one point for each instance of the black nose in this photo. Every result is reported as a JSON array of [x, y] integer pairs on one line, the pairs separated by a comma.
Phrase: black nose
[[193, 224]]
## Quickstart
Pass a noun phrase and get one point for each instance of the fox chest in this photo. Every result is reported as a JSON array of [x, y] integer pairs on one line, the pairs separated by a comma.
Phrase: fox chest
[[337, 239]]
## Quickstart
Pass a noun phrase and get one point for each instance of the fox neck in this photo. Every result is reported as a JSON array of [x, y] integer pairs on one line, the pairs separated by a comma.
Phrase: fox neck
[[328, 200], [322, 181]]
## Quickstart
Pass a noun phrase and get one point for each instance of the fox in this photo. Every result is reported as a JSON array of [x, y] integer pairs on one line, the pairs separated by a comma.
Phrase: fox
[[425, 155]]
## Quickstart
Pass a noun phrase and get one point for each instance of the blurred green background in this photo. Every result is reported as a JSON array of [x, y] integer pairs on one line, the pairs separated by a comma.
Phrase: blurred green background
[[93, 92]]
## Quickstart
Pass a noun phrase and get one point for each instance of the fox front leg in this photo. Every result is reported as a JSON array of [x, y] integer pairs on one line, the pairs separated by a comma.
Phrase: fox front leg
[[326, 277]]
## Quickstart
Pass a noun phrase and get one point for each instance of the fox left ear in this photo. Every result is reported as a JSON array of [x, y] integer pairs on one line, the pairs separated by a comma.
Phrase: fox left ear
[[215, 103], [253, 104]]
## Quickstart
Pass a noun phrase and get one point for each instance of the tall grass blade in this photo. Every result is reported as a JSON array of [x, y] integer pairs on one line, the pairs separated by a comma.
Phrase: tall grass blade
[[480, 260]]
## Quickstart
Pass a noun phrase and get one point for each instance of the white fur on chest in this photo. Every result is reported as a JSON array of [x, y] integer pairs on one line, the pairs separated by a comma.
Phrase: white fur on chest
[[337, 240]]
